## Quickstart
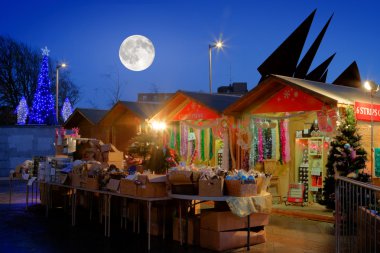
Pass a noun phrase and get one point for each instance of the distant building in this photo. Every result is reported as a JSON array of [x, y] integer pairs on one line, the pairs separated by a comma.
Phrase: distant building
[[154, 97], [239, 88]]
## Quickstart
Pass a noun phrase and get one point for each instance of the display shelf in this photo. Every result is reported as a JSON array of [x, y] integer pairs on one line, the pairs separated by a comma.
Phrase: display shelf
[[310, 164]]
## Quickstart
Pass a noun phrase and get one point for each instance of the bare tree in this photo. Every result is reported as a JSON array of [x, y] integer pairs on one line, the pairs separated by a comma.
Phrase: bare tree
[[67, 89], [19, 69], [154, 88], [116, 91]]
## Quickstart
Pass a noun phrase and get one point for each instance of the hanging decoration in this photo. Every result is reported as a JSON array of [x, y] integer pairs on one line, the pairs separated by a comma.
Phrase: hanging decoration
[[75, 132], [273, 134], [225, 157], [242, 135], [198, 142], [327, 120], [245, 160], [211, 151], [191, 145], [207, 144], [267, 143], [178, 139], [171, 137], [67, 110], [184, 139], [252, 150], [280, 142], [22, 111], [284, 141], [260, 145], [202, 148]]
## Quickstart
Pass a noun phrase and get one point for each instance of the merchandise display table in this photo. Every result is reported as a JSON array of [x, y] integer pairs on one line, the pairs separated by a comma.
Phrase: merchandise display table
[[252, 204], [107, 204]]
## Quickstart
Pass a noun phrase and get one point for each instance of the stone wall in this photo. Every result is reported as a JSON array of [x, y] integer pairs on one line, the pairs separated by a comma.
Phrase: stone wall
[[20, 143]]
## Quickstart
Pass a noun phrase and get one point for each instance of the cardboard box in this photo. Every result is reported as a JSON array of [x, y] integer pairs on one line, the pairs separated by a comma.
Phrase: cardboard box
[[225, 220], [192, 230], [183, 177], [92, 183], [76, 180], [211, 188], [227, 240], [152, 186], [240, 188], [113, 185], [128, 187], [152, 190]]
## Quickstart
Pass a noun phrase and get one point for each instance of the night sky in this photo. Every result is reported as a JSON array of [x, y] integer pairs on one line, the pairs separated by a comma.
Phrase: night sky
[[87, 35]]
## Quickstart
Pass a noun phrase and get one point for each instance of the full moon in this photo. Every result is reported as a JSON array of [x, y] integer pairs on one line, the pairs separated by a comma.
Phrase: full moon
[[136, 52]]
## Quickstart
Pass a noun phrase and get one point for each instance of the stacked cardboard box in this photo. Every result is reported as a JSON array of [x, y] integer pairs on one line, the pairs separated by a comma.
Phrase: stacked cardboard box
[[112, 155], [222, 230], [193, 236]]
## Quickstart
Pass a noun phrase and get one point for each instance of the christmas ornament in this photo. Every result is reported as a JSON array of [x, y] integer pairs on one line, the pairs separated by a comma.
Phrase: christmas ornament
[[347, 146]]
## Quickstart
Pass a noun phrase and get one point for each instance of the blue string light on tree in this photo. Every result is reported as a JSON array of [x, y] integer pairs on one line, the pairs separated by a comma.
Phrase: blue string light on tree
[[22, 111], [43, 103], [67, 110]]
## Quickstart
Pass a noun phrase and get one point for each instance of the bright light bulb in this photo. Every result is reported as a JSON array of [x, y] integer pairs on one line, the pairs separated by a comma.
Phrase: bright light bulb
[[219, 44], [63, 65], [367, 85]]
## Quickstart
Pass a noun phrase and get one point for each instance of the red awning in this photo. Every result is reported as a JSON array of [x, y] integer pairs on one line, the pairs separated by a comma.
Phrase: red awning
[[195, 111], [289, 100]]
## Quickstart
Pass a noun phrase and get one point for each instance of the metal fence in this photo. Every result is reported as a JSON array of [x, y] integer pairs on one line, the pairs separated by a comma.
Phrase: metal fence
[[357, 222]]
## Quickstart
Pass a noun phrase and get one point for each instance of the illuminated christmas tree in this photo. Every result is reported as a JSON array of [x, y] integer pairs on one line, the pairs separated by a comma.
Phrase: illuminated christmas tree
[[43, 103], [346, 157], [22, 111], [66, 110]]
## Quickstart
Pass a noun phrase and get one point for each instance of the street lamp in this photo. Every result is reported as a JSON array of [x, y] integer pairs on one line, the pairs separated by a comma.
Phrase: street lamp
[[373, 88], [62, 65], [218, 45]]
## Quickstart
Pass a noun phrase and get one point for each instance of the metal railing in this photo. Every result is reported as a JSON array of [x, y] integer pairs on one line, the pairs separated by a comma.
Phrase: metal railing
[[357, 223]]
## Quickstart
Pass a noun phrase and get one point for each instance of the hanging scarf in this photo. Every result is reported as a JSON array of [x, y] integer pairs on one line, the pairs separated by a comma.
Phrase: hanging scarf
[[198, 142], [184, 140], [284, 137], [211, 153], [202, 145], [171, 139], [260, 145], [178, 139], [225, 158], [273, 134], [252, 150]]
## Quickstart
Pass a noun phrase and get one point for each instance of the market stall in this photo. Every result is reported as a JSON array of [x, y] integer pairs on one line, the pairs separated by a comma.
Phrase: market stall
[[292, 121], [196, 128]]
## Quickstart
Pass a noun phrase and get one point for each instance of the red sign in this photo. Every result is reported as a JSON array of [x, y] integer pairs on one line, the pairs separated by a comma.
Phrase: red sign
[[363, 111], [195, 111], [290, 100]]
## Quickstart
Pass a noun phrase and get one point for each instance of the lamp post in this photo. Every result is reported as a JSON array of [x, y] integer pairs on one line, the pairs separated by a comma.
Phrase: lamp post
[[218, 45], [373, 88], [62, 65]]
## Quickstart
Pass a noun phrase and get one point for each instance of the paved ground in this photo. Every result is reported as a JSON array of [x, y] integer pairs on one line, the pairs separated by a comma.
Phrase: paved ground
[[31, 231]]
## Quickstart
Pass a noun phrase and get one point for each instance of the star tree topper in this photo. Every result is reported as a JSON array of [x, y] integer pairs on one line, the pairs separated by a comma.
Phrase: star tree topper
[[45, 51]]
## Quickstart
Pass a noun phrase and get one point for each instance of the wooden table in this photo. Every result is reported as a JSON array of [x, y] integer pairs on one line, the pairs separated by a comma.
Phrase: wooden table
[[107, 205]]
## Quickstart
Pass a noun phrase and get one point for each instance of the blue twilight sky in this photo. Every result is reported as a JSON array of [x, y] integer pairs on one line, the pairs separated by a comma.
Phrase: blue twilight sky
[[87, 35]]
